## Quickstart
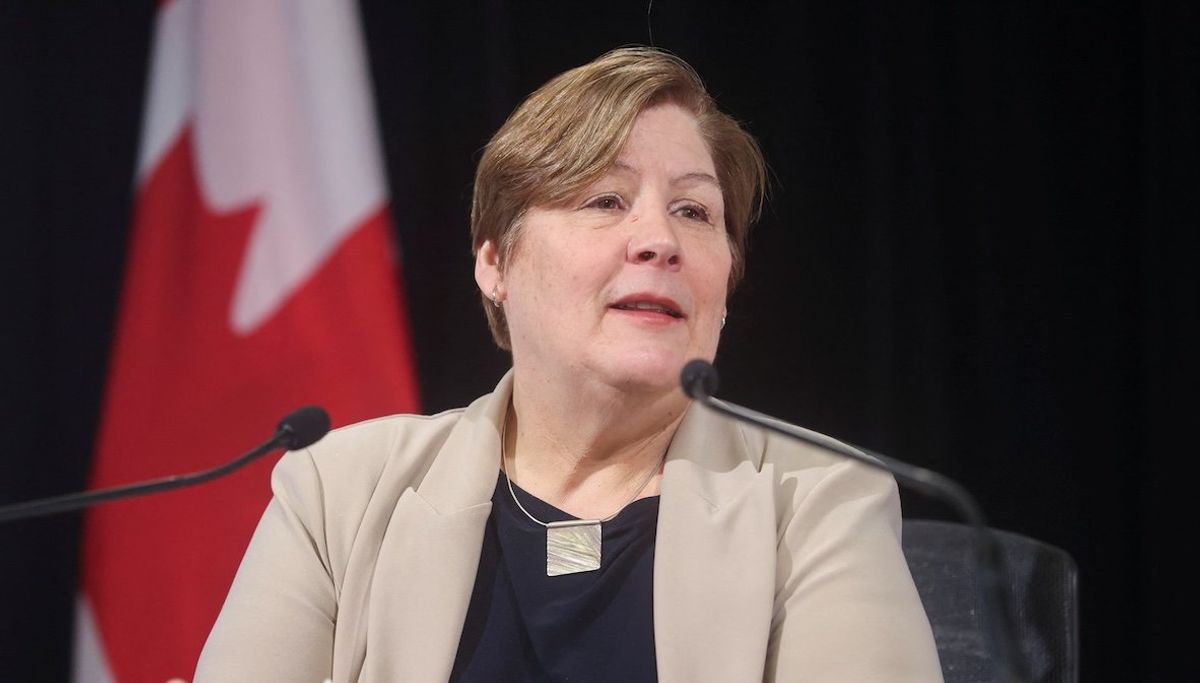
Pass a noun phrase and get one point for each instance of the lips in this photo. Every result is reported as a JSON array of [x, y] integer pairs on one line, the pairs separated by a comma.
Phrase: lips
[[651, 304]]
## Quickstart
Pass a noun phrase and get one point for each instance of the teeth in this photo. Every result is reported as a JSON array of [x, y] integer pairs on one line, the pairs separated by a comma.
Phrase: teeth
[[647, 306]]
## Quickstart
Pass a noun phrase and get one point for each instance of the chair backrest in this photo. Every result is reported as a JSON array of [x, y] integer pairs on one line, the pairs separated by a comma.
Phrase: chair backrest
[[1042, 586]]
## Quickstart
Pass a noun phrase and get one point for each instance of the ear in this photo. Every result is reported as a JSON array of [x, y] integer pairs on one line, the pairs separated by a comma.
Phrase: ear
[[487, 270]]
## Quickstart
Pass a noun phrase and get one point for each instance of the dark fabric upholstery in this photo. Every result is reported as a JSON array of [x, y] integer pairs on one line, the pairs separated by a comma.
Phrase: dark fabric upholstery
[[1042, 585]]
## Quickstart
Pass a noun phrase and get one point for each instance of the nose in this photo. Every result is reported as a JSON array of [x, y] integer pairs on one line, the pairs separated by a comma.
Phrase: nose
[[654, 243]]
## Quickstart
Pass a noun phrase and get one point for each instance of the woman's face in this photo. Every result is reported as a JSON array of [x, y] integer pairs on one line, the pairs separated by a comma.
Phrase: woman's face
[[628, 281]]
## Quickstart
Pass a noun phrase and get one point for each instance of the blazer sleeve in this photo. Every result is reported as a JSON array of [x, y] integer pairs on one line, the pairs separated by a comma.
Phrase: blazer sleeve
[[278, 619], [846, 608]]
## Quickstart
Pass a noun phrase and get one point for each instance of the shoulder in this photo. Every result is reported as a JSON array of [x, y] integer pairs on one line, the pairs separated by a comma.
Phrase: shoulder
[[813, 482], [725, 458], [360, 471], [369, 447], [799, 466], [794, 460], [363, 451]]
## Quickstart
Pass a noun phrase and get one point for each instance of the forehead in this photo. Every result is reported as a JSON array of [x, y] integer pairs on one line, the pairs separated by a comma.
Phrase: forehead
[[666, 137]]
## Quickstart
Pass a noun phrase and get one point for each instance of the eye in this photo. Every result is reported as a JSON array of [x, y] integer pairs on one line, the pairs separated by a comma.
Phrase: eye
[[605, 202], [693, 212]]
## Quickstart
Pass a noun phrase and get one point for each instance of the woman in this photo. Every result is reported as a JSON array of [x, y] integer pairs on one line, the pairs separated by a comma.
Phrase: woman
[[609, 222]]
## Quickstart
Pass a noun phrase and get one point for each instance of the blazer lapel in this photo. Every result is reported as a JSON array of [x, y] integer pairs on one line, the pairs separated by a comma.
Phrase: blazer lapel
[[714, 555], [426, 569]]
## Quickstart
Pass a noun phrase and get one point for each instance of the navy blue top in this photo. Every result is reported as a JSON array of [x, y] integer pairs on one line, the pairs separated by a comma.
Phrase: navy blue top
[[593, 626]]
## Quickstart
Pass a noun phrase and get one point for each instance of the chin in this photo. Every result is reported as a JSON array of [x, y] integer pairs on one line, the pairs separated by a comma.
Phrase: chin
[[645, 369]]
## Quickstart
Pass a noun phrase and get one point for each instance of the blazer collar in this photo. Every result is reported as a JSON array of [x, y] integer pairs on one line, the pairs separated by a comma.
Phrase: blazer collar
[[467, 466]]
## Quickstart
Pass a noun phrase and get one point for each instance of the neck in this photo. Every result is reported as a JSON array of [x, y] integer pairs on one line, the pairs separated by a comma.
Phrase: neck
[[586, 449]]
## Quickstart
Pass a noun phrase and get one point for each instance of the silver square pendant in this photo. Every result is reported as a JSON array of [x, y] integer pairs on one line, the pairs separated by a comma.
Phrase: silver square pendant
[[572, 547]]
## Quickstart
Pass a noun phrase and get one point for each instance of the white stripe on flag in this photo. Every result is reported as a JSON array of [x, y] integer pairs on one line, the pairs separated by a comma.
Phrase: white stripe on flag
[[89, 665]]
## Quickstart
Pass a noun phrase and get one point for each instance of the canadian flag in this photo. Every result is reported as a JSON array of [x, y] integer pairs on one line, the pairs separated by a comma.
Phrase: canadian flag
[[261, 276]]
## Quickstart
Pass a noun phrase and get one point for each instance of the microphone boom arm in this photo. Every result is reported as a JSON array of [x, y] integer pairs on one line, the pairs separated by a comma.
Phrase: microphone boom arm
[[301, 428], [76, 501], [920, 479]]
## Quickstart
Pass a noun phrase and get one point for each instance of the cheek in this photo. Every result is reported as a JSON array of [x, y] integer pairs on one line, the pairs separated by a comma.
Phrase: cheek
[[726, 270], [584, 269], [559, 278], [716, 269]]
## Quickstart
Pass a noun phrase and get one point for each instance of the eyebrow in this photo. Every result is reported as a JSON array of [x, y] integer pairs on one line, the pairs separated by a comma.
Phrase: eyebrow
[[701, 177], [696, 176]]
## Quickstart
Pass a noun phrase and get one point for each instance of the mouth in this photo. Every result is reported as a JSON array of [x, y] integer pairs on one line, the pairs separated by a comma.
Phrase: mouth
[[651, 305]]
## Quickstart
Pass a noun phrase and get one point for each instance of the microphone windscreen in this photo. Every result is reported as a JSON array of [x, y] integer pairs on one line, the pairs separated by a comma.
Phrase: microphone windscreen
[[303, 427], [699, 379]]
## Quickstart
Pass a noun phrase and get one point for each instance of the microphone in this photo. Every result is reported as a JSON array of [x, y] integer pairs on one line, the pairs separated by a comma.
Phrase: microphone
[[300, 429], [699, 380]]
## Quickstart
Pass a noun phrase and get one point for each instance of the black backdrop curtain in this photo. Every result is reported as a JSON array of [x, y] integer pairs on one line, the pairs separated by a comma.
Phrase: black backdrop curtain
[[978, 255]]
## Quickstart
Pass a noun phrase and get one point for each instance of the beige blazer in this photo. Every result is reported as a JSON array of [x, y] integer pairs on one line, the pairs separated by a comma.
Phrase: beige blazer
[[773, 561]]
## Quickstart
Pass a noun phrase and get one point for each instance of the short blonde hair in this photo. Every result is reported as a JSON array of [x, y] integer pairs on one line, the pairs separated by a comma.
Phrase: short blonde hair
[[569, 132]]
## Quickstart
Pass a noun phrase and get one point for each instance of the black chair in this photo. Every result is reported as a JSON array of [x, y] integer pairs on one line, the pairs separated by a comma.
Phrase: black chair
[[1042, 585]]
